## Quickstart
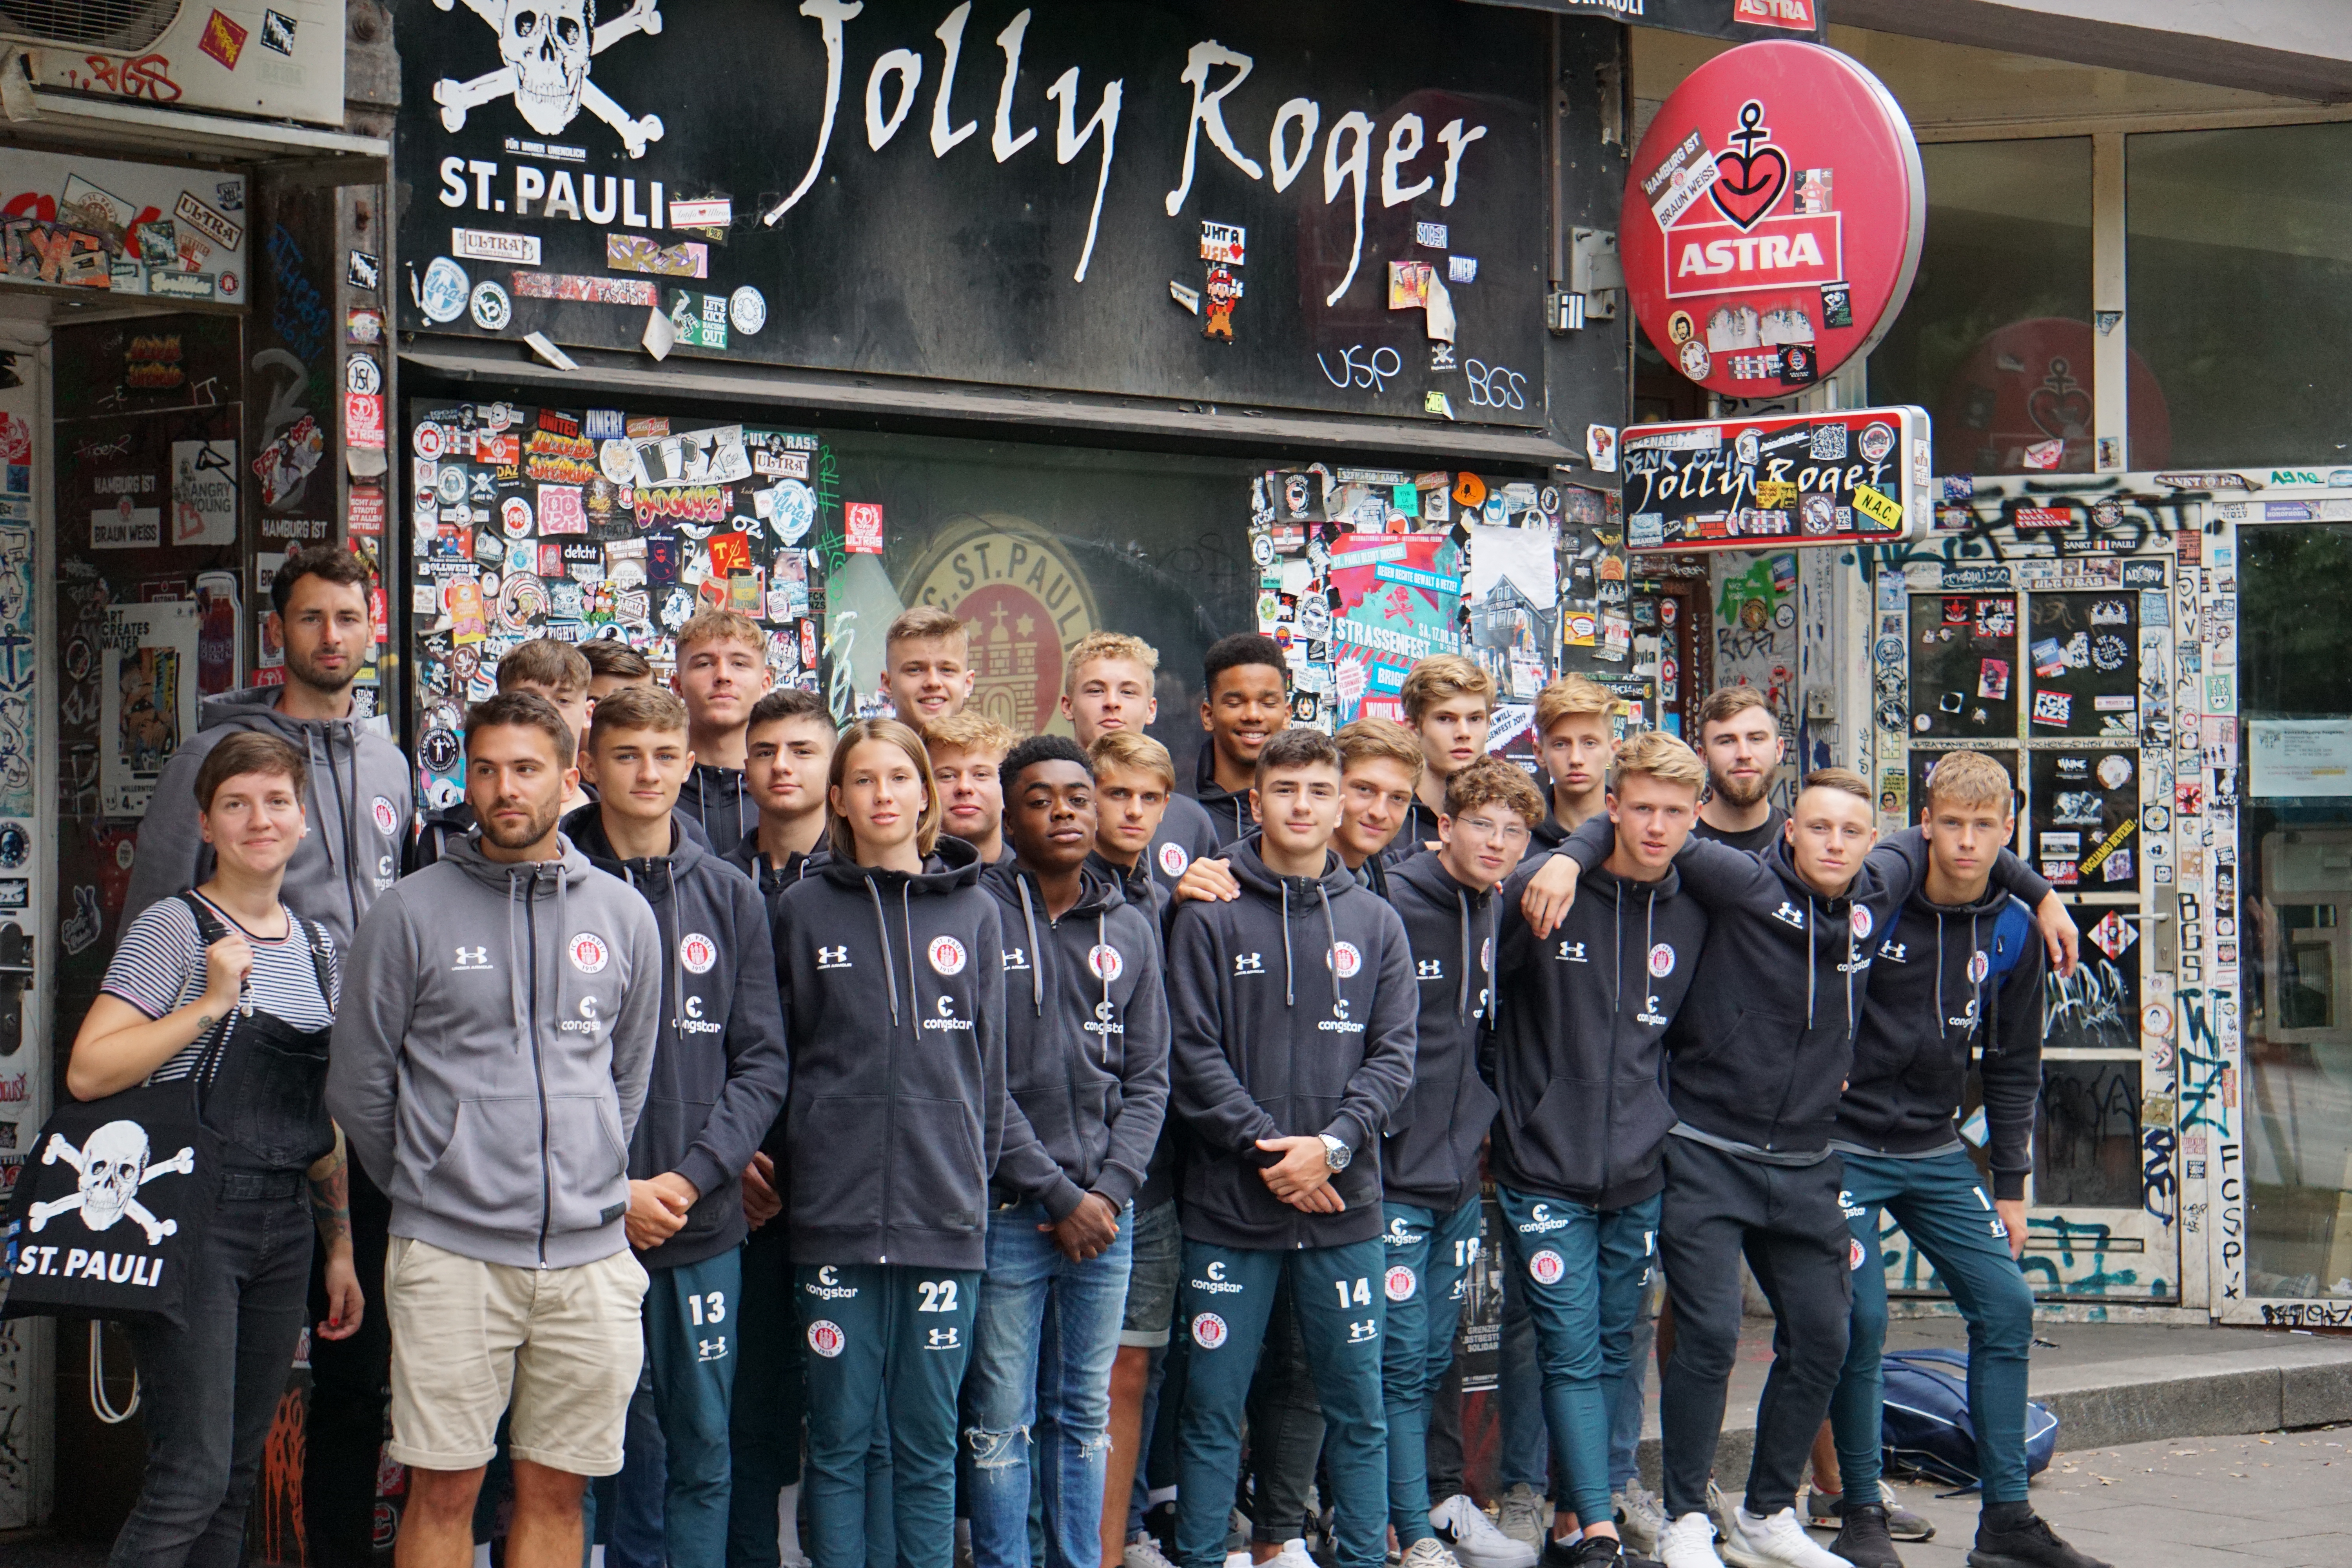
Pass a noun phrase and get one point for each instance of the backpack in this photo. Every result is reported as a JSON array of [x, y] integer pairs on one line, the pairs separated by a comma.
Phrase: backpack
[[1925, 1427]]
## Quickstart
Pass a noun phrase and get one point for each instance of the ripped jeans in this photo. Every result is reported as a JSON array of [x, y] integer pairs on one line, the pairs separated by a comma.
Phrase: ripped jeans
[[1040, 1382]]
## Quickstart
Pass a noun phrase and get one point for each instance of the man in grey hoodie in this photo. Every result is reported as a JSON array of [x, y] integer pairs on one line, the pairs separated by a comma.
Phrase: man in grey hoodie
[[491, 1055], [360, 800]]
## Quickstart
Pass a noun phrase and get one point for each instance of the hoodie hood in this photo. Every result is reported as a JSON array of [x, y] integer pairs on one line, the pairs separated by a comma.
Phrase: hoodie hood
[[719, 803], [1430, 1158], [1229, 810]]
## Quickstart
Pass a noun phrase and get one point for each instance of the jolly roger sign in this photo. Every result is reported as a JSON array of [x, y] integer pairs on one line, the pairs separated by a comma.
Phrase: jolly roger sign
[[1773, 222]]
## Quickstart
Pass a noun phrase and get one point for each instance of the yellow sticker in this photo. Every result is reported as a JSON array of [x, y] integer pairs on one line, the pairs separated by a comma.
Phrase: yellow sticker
[[1881, 509], [1776, 493]]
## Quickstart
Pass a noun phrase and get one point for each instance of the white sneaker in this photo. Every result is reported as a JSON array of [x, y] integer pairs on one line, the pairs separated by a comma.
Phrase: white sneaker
[[1718, 1508], [1294, 1554], [1238, 1559], [1523, 1515], [1464, 1525], [1639, 1516], [1688, 1542], [1779, 1542], [1145, 1554], [1429, 1555]]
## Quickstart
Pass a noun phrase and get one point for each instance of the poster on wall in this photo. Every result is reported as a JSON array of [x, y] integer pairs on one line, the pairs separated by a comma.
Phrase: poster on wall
[[68, 221], [2086, 819], [147, 698], [1963, 650]]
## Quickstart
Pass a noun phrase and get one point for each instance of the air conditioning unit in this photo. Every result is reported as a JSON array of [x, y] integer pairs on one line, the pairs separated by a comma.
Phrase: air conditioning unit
[[127, 27]]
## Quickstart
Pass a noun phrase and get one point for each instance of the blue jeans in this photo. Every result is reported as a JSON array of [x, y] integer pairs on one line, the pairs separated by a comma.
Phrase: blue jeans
[[210, 1389], [1945, 1212], [1158, 1241], [1429, 1258], [1042, 1348], [1224, 1302], [1581, 1270], [882, 1339]]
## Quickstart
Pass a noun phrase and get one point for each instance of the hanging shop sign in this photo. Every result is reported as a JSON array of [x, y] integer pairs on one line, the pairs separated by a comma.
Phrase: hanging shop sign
[[1772, 219], [71, 222], [1319, 204], [1739, 20], [1854, 477]]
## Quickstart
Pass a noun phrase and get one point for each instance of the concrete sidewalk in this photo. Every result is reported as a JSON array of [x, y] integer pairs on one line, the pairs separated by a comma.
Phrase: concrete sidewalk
[[2108, 1383]]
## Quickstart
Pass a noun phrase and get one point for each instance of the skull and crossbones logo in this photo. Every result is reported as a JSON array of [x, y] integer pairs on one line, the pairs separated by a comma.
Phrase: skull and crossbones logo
[[113, 1162], [545, 47]]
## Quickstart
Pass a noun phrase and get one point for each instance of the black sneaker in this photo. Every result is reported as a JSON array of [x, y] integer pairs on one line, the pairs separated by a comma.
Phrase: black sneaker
[[2032, 1544], [1592, 1552], [1863, 1541]]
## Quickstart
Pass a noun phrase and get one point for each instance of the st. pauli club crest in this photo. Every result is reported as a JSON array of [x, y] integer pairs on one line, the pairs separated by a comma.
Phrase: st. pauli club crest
[[1772, 225]]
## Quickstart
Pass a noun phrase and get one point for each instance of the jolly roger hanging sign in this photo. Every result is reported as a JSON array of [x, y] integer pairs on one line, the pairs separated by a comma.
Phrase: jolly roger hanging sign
[[1773, 223]]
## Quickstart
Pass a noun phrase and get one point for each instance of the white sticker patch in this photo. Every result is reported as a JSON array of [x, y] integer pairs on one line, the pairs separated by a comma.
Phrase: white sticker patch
[[825, 1338], [1105, 961], [698, 953], [1546, 1268], [1853, 1253], [1172, 859], [589, 954], [946, 955], [387, 818], [1661, 960], [1208, 1330], [1345, 961], [1979, 965], [1401, 1283], [1861, 924]]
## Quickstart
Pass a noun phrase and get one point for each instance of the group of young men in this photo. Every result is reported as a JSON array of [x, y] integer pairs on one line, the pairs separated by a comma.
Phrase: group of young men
[[1240, 1063]]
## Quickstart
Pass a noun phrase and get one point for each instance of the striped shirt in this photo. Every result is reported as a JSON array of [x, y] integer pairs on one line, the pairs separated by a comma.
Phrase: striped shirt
[[159, 967]]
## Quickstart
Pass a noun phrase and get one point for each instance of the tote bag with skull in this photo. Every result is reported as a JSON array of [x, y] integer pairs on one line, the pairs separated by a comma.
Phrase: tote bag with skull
[[111, 1204]]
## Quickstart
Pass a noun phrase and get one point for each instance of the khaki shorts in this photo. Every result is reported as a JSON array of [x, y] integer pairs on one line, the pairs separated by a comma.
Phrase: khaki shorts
[[557, 1349]]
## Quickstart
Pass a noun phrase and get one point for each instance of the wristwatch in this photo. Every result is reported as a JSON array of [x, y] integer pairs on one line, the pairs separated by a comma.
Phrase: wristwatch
[[1336, 1155]]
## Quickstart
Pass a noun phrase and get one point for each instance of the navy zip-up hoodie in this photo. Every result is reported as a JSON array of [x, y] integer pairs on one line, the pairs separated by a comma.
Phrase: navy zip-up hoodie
[[1228, 811], [1144, 890], [1765, 1038], [1945, 981], [1293, 1015], [893, 993], [720, 1070], [719, 803], [1430, 1158], [1186, 832], [771, 879], [1086, 1043], [1578, 1048], [451, 823]]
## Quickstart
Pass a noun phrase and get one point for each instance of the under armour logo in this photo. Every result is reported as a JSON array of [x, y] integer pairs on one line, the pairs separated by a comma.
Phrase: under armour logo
[[1430, 969], [1362, 1329], [471, 960], [942, 1340], [832, 958], [1016, 958], [1790, 914], [710, 1349], [1894, 951], [1571, 952], [1248, 963]]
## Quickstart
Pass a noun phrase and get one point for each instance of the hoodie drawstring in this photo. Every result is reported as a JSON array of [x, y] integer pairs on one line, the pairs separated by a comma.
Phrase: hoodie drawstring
[[1940, 1030], [882, 932], [1462, 991], [907, 924], [518, 880], [1332, 930], [1037, 953], [1289, 991]]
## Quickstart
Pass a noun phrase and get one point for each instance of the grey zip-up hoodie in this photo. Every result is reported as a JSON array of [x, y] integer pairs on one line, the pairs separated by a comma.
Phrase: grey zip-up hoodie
[[360, 805], [492, 1050]]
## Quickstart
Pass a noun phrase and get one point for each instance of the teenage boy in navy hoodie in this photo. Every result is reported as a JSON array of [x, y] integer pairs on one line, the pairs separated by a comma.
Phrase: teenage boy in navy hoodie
[[1762, 1050], [888, 958], [1085, 1061], [787, 746], [1579, 1066], [1429, 1165], [718, 1079], [1293, 1010], [1958, 972], [1244, 702]]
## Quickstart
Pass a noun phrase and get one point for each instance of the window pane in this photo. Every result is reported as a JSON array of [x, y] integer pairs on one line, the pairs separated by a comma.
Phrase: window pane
[[1995, 341], [2296, 863], [2240, 262]]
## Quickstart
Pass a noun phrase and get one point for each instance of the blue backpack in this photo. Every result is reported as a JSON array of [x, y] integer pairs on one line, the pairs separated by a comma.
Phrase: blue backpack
[[1924, 1424]]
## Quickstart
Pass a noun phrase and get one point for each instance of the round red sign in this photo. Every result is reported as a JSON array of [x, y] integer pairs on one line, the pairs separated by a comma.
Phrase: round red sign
[[1772, 218]]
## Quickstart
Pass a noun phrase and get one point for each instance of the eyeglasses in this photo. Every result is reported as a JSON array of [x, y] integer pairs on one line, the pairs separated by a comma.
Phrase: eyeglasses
[[1511, 832]]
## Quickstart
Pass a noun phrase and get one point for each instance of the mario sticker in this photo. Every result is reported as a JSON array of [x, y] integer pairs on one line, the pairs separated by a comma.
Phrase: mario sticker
[[1401, 1283], [827, 1339], [1546, 1268], [1979, 965], [387, 819], [1172, 859], [946, 954], [1105, 961], [1208, 1330], [1661, 960], [1861, 924], [589, 954], [698, 953], [1345, 961]]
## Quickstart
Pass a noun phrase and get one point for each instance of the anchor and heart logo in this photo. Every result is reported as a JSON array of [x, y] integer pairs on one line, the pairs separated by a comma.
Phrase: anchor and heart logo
[[1750, 174]]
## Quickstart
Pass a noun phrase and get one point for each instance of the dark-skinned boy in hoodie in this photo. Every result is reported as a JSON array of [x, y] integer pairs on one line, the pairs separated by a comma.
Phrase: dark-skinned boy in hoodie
[[1085, 1061], [1578, 1062], [1293, 1013], [719, 1074], [1762, 1050], [888, 959], [1429, 1163]]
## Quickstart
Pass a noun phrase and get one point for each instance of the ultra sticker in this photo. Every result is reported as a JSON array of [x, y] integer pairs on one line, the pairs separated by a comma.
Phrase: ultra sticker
[[1208, 1330], [1345, 961], [1172, 859], [589, 954], [1401, 1283], [1105, 961], [698, 953], [825, 1338], [946, 954], [387, 819], [1546, 1268], [442, 295], [1661, 960]]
